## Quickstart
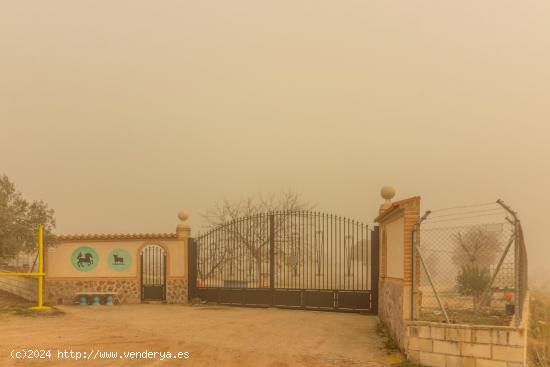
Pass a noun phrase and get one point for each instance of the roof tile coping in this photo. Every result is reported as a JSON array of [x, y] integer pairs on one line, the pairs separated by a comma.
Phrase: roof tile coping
[[394, 206], [115, 236]]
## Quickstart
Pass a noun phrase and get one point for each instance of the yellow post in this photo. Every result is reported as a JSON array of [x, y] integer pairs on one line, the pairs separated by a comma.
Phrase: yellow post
[[40, 305]]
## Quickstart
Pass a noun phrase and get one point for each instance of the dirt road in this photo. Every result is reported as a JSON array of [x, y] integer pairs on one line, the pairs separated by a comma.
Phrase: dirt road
[[212, 335]]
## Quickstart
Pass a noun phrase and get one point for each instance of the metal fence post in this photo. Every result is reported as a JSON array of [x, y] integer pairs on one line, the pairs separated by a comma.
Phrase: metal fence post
[[375, 268], [272, 256], [414, 280]]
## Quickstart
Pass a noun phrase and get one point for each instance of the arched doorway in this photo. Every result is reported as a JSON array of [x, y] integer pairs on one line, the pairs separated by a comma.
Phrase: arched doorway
[[153, 273]]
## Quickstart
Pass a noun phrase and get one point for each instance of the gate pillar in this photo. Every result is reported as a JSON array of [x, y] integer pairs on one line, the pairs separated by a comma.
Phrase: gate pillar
[[177, 282], [396, 221]]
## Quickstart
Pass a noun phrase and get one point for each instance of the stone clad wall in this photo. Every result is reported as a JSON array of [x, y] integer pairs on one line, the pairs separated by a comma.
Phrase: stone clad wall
[[176, 290], [63, 291], [390, 308]]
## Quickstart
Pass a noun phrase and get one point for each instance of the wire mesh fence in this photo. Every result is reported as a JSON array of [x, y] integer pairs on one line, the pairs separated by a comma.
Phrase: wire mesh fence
[[23, 262], [467, 266], [22, 286]]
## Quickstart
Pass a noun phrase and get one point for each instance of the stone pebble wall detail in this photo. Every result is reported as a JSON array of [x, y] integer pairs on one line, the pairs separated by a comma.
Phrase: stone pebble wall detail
[[176, 290], [390, 309], [64, 291], [437, 345]]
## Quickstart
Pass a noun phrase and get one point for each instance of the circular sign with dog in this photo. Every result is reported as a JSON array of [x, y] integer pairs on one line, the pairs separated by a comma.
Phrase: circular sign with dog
[[84, 258], [119, 259]]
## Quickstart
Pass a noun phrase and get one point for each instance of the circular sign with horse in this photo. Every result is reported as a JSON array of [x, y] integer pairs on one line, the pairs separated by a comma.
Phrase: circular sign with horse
[[84, 258], [119, 259]]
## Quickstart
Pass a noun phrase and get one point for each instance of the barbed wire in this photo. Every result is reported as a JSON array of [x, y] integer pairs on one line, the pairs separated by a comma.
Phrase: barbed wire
[[460, 218], [465, 206], [499, 210]]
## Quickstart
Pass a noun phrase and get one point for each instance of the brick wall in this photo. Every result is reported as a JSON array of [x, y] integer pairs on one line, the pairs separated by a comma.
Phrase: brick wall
[[442, 345], [394, 293]]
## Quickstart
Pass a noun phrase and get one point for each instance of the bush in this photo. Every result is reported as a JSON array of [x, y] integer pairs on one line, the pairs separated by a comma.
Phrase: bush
[[472, 281]]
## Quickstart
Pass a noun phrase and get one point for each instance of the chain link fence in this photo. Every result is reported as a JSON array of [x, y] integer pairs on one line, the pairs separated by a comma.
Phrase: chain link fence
[[23, 262], [469, 266]]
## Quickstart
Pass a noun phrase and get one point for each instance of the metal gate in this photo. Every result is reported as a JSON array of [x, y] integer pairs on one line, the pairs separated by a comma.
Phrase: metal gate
[[303, 260], [153, 273]]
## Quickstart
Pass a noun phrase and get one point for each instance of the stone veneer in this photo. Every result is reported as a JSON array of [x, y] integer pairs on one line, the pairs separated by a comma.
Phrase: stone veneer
[[64, 291], [390, 308], [176, 290]]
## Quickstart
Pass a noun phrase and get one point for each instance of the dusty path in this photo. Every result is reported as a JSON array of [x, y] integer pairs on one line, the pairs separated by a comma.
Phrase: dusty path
[[212, 335]]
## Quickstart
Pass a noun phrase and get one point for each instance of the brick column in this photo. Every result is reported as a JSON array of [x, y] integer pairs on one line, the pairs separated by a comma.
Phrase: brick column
[[396, 222]]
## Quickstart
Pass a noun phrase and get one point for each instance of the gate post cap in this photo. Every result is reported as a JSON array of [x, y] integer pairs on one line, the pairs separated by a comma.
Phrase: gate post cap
[[183, 229], [183, 216], [387, 192]]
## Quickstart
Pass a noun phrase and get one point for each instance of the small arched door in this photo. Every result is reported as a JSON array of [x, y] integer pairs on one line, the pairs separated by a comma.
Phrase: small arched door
[[153, 273]]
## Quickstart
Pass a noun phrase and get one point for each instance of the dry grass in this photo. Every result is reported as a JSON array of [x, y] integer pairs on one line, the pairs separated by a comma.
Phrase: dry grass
[[12, 304], [539, 333]]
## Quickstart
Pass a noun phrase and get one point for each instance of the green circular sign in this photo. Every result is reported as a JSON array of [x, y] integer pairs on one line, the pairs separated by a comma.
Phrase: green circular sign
[[119, 259], [84, 258]]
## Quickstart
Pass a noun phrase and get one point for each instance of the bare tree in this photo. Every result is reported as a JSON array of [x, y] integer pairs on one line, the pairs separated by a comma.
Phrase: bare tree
[[478, 246], [249, 239]]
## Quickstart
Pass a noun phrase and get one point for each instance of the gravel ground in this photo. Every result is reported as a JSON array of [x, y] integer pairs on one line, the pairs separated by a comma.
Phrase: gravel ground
[[212, 335]]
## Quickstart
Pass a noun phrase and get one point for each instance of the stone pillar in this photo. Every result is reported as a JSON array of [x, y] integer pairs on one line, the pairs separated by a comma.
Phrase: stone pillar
[[177, 287], [396, 221]]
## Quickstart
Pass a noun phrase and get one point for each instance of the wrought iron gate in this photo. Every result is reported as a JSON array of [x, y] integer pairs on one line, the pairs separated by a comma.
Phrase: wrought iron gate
[[304, 260], [153, 273]]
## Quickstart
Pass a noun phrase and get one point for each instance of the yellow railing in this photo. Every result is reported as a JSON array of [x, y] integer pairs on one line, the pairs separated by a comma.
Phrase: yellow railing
[[40, 274]]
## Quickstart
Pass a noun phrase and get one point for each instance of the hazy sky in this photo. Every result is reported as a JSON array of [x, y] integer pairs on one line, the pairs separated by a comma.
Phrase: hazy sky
[[120, 113]]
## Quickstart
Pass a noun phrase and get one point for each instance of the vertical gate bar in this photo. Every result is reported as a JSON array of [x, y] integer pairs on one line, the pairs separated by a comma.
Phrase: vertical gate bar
[[332, 252], [346, 234], [192, 266], [375, 267], [295, 251], [307, 252], [326, 253], [285, 250], [302, 270], [369, 257], [356, 274], [236, 232], [338, 226], [307, 258], [272, 255], [165, 281], [362, 286], [159, 250], [205, 260], [323, 274]]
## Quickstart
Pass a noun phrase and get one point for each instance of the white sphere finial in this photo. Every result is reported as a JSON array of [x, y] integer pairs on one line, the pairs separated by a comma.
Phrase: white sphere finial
[[387, 192], [183, 216]]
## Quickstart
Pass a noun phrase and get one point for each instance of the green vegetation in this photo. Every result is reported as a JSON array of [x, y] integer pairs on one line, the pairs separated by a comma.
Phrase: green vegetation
[[405, 364], [390, 345], [19, 221], [539, 330], [472, 281], [14, 305]]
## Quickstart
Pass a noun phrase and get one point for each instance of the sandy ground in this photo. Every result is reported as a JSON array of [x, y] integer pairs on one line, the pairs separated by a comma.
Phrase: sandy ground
[[212, 335]]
